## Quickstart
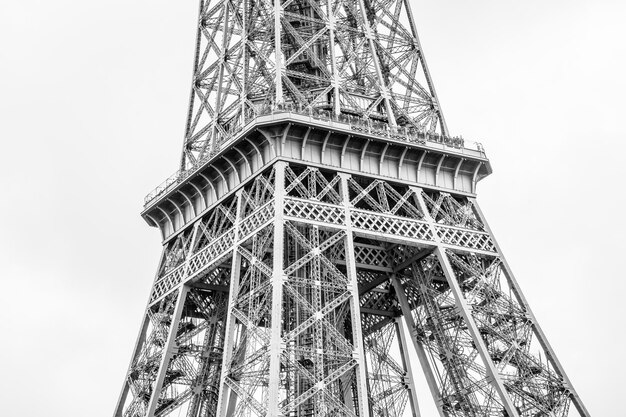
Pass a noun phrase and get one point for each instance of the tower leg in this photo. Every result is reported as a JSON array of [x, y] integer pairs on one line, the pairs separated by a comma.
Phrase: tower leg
[[355, 309], [406, 364], [419, 349], [275, 348], [119, 409], [283, 300], [167, 350], [137, 351], [465, 312], [225, 393], [551, 356]]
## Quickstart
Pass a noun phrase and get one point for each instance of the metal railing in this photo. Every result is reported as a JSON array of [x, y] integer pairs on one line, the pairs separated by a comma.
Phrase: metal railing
[[358, 124]]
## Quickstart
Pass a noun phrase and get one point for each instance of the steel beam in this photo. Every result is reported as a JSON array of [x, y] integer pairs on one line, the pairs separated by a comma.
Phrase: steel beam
[[419, 349], [357, 329], [465, 311], [406, 364], [276, 341], [229, 342], [167, 350], [141, 337], [278, 54], [119, 409]]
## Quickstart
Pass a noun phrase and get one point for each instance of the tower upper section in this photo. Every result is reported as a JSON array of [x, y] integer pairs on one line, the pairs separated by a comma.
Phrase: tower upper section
[[339, 85], [358, 60]]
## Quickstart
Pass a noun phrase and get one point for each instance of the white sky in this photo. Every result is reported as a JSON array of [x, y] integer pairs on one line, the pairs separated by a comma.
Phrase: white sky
[[93, 99]]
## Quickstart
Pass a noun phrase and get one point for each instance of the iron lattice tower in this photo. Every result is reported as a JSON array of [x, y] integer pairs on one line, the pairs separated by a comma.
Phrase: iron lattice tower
[[322, 224]]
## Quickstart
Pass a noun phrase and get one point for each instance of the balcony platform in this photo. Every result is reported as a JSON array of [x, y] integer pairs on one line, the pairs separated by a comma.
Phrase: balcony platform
[[344, 144]]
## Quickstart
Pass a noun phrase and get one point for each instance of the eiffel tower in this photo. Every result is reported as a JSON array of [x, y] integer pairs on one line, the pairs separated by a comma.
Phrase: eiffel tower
[[322, 227]]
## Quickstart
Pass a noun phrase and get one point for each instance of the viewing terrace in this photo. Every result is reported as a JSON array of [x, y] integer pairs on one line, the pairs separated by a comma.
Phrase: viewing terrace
[[339, 123]]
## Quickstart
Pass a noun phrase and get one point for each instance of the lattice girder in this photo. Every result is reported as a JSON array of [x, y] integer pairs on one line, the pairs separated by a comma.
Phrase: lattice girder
[[245, 373], [182, 366], [463, 380], [508, 332], [388, 377], [319, 269]]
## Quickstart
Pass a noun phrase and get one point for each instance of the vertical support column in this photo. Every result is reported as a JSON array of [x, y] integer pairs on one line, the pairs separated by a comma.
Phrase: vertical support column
[[429, 81], [543, 341], [246, 65], [346, 385], [465, 311], [419, 349], [229, 342], [422, 205], [220, 77], [406, 364], [183, 153], [167, 350], [276, 342], [278, 80], [355, 308], [384, 91], [333, 60], [318, 327]]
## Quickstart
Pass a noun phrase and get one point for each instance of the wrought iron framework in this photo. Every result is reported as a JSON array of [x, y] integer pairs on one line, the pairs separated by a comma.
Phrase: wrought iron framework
[[304, 258], [360, 58]]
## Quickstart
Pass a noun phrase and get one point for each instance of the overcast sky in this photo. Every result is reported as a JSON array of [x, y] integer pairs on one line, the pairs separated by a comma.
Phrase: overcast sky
[[93, 99]]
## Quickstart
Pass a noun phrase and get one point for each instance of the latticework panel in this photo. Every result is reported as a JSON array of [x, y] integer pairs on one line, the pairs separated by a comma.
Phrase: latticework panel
[[258, 192], [446, 209], [312, 210], [511, 347], [318, 357], [144, 369], [387, 375], [192, 377], [178, 372], [391, 225], [355, 59], [464, 385], [384, 197], [247, 366], [312, 184], [506, 328]]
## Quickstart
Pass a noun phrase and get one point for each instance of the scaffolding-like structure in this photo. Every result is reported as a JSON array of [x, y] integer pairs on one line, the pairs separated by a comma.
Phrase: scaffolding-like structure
[[323, 225]]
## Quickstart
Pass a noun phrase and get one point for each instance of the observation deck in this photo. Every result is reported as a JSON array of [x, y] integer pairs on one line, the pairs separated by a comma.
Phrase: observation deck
[[321, 139]]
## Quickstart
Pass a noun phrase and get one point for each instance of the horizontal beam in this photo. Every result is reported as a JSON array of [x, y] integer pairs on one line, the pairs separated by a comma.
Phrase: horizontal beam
[[209, 287], [418, 257], [368, 286], [377, 312]]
